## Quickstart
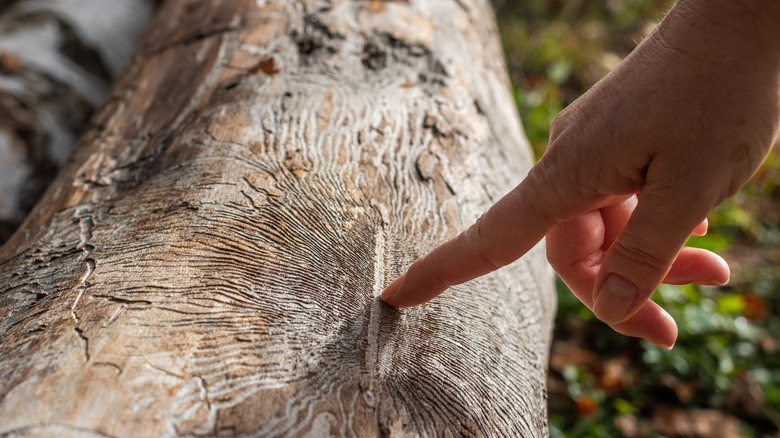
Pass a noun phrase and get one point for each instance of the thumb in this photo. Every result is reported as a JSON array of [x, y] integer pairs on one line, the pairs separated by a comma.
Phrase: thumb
[[639, 259]]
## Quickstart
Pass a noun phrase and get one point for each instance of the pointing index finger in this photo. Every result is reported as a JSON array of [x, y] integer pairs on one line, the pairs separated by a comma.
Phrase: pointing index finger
[[505, 232]]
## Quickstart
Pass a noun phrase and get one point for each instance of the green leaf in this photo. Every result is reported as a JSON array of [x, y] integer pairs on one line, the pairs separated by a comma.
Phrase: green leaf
[[711, 242], [730, 304]]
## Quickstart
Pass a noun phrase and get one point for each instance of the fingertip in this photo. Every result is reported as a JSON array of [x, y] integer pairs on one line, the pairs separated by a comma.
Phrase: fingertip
[[726, 271], [391, 291], [722, 271], [697, 265], [701, 229], [651, 323], [664, 333]]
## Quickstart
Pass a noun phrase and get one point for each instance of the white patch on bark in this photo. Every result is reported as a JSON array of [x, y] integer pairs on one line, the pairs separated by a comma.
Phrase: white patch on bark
[[39, 48], [112, 28], [370, 394]]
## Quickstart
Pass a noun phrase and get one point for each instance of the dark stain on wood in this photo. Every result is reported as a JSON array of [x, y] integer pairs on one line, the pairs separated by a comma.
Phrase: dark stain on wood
[[267, 66]]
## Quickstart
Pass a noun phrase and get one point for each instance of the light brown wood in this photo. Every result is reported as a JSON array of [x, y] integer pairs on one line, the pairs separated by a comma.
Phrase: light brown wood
[[209, 261]]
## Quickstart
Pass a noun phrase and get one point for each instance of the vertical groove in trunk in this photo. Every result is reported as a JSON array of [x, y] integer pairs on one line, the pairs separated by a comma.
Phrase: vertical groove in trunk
[[208, 261]]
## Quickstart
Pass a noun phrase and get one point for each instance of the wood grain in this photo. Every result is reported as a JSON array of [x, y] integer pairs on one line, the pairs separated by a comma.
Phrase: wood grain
[[208, 262]]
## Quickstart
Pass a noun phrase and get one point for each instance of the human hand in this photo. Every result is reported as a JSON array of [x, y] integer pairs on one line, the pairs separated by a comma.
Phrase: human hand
[[685, 120], [576, 249]]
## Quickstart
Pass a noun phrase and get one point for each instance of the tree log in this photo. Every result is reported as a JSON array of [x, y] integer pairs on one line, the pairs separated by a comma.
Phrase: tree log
[[208, 261]]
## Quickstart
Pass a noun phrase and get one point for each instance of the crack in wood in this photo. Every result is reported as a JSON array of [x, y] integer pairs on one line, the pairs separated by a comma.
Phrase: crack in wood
[[163, 370], [193, 37], [204, 391], [125, 301], [85, 235], [80, 332], [116, 367]]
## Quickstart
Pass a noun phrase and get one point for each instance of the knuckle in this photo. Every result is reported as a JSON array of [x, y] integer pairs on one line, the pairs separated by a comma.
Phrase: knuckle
[[440, 282], [555, 190], [560, 123], [425, 267], [647, 262], [475, 239]]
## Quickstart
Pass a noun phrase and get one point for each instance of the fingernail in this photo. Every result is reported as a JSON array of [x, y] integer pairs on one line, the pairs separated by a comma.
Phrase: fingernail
[[615, 300], [662, 344], [391, 289], [713, 282]]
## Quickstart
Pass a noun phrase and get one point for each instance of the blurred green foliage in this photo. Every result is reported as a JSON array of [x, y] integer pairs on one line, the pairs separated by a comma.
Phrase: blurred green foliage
[[558, 49], [725, 369]]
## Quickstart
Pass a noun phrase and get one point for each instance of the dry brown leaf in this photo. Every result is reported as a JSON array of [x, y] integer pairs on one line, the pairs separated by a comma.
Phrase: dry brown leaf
[[701, 423]]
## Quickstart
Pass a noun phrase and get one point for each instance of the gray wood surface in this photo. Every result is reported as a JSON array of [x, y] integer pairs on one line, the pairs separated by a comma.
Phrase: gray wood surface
[[209, 260]]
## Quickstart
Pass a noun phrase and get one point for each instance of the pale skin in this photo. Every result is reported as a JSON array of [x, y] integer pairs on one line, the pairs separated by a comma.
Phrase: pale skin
[[632, 170]]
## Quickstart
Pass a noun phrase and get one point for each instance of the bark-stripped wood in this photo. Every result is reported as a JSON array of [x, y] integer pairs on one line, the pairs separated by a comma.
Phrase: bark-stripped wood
[[208, 261], [58, 59]]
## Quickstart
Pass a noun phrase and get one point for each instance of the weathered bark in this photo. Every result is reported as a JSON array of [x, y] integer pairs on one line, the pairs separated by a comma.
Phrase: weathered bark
[[58, 59], [208, 261]]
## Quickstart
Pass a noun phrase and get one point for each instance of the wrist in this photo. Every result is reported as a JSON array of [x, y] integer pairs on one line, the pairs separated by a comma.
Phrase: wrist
[[749, 21], [723, 36]]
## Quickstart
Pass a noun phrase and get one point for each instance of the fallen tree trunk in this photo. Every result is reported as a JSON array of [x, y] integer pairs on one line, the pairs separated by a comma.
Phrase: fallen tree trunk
[[208, 261]]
